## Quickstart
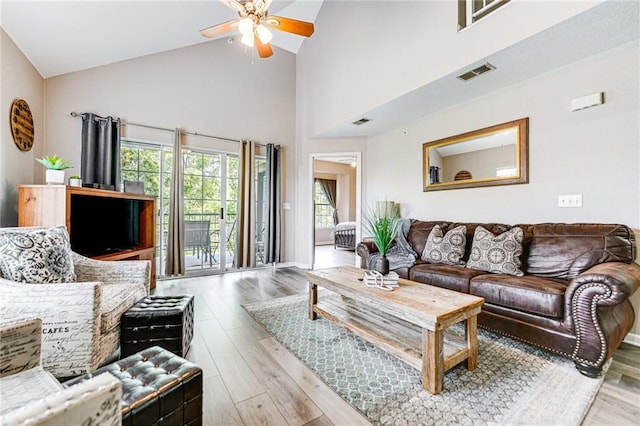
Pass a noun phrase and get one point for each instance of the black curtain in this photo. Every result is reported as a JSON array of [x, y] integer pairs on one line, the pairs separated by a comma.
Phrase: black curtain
[[100, 164], [274, 195], [330, 188]]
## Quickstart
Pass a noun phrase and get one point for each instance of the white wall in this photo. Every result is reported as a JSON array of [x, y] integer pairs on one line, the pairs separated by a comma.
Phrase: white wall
[[364, 54], [212, 88], [19, 80], [593, 152]]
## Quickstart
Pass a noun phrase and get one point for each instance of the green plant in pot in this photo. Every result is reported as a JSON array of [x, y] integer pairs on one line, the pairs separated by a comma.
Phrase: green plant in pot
[[381, 222], [55, 168]]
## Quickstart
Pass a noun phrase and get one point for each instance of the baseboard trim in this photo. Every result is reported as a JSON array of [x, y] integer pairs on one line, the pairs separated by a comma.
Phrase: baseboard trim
[[632, 339], [301, 265]]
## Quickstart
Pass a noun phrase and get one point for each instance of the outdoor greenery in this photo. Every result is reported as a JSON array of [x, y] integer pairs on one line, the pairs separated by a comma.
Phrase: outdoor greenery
[[202, 176]]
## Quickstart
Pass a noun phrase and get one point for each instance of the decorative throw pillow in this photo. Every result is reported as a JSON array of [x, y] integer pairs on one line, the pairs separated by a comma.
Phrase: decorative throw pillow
[[497, 253], [36, 257], [447, 249]]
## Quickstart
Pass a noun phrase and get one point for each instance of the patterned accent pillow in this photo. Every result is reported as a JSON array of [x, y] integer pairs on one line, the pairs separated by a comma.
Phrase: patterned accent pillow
[[447, 249], [36, 257], [497, 253]]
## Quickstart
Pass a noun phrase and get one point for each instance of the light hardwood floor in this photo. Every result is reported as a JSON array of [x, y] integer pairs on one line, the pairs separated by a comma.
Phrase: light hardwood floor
[[251, 379]]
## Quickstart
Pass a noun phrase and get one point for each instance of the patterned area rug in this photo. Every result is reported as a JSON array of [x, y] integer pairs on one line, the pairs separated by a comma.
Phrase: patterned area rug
[[514, 383]]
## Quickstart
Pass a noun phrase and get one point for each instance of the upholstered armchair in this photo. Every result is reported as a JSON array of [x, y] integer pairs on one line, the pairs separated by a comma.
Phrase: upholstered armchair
[[31, 395], [80, 310]]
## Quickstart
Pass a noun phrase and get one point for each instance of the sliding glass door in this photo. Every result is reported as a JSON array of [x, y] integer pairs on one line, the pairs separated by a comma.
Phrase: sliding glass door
[[210, 200]]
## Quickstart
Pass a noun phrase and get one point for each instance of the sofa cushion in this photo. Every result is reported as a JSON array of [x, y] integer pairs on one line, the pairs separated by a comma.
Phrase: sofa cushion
[[446, 276], [420, 230], [536, 295], [559, 250], [36, 256], [116, 299], [497, 253], [446, 248]]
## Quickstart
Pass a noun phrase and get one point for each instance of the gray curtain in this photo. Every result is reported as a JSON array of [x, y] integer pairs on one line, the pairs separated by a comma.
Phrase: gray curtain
[[175, 263], [329, 186], [100, 161], [274, 195], [245, 247]]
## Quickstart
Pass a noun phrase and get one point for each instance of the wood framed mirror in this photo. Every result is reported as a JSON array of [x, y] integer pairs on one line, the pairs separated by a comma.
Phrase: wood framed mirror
[[496, 155]]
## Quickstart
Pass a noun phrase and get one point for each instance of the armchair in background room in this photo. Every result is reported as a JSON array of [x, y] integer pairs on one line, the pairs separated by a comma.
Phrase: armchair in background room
[[31, 395], [79, 300]]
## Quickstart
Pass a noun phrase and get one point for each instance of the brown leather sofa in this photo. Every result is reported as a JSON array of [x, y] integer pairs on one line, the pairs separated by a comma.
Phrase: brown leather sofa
[[572, 300]]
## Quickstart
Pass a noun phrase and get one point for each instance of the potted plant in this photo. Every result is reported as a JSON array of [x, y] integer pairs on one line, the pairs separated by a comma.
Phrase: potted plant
[[75, 181], [381, 222], [55, 168]]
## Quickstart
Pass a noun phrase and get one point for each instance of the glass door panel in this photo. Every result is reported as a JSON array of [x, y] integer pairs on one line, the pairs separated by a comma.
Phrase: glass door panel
[[261, 204], [210, 190]]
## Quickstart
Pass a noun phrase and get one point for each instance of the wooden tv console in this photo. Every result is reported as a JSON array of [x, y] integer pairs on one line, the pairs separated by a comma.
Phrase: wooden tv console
[[52, 205]]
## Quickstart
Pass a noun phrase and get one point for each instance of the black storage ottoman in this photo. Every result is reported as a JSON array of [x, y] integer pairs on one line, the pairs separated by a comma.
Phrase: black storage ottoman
[[158, 388], [165, 321]]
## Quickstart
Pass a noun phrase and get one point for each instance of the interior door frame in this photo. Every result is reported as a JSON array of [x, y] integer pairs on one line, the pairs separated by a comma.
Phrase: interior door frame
[[312, 157]]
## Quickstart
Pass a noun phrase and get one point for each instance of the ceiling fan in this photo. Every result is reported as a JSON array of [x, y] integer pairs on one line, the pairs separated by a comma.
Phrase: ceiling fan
[[254, 22]]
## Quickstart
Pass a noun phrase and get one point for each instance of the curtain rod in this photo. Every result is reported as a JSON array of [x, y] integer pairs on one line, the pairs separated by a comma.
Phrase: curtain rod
[[164, 129]]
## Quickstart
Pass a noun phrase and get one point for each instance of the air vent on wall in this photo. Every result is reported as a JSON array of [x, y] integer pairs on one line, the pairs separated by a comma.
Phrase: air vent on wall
[[476, 72], [361, 121]]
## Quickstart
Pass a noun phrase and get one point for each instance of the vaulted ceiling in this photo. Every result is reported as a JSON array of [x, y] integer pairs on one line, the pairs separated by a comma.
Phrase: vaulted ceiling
[[65, 36]]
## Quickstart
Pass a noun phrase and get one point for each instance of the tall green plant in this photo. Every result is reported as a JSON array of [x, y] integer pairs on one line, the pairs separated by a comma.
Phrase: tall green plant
[[381, 222]]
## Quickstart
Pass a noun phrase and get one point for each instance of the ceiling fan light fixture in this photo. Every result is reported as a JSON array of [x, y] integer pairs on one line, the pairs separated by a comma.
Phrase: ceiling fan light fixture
[[245, 26], [247, 40], [263, 34]]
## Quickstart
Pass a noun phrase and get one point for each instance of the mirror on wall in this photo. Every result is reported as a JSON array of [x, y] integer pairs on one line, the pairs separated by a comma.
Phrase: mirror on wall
[[496, 155]]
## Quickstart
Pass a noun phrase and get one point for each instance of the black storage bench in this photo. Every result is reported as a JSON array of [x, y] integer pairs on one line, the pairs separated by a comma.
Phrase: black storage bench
[[158, 388], [165, 321]]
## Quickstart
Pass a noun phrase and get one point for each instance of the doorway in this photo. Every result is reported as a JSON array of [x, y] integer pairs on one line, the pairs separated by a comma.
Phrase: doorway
[[336, 188]]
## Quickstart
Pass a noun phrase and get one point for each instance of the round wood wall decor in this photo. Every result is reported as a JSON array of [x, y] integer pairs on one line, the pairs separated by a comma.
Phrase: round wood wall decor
[[22, 124]]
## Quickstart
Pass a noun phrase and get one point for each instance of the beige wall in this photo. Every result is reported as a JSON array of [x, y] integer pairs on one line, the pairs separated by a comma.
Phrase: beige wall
[[212, 88], [19, 80]]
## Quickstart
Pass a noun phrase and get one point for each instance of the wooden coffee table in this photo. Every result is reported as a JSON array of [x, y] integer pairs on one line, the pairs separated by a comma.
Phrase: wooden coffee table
[[409, 322]]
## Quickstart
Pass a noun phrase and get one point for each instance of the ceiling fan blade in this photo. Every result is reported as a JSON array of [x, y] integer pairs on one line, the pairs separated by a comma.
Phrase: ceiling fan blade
[[289, 25], [264, 49], [237, 6], [216, 30]]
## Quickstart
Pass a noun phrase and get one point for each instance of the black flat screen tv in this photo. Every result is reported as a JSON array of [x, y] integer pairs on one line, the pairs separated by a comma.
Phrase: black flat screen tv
[[103, 225]]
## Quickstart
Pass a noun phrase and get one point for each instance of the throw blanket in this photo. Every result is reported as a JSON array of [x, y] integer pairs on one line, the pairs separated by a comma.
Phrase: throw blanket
[[400, 255]]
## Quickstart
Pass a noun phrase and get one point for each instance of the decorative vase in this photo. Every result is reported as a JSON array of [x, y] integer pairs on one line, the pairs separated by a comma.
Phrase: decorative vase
[[382, 265], [53, 177]]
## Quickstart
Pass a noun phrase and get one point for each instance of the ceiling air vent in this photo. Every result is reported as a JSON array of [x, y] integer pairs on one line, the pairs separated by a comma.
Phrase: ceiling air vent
[[476, 72], [361, 121]]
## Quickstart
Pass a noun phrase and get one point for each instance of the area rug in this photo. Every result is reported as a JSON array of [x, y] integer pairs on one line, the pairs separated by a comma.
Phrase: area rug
[[514, 383]]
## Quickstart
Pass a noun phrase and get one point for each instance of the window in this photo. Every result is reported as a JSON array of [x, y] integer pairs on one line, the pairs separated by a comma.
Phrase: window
[[469, 11], [323, 210]]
